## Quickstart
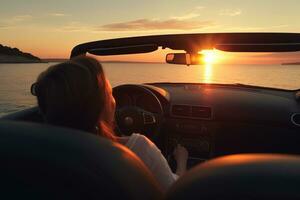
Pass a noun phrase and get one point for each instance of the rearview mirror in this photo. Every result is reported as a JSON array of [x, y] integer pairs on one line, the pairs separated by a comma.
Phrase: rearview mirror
[[184, 59]]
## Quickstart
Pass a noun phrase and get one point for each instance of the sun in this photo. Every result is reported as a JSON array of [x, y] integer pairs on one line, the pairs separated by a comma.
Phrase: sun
[[210, 56]]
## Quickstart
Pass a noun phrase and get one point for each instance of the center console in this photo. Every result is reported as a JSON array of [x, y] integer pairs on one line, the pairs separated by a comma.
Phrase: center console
[[196, 136]]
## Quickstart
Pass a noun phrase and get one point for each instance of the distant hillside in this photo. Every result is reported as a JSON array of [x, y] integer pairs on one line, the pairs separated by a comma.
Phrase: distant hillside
[[55, 59], [293, 63], [14, 55]]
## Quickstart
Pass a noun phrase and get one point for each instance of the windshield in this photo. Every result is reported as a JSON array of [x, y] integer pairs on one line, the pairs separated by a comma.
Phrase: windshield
[[276, 70]]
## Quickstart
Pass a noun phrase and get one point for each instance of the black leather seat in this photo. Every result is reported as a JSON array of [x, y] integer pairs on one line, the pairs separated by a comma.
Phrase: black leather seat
[[44, 162], [248, 176]]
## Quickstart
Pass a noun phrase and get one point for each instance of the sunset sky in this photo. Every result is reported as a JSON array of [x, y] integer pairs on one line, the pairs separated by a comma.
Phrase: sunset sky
[[49, 29]]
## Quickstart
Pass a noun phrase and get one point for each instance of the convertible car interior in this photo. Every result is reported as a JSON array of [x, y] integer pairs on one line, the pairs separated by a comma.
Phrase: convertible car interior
[[243, 140]]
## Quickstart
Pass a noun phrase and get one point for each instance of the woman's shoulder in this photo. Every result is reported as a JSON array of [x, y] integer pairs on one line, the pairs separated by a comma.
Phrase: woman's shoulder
[[140, 141]]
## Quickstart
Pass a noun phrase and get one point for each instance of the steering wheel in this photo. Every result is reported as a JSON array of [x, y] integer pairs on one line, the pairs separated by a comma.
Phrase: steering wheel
[[133, 119]]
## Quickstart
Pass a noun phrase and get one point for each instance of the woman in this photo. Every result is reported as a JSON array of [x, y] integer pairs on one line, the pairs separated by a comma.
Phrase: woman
[[76, 94]]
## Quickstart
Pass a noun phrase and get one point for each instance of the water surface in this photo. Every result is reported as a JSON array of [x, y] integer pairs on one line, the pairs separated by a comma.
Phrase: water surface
[[16, 79]]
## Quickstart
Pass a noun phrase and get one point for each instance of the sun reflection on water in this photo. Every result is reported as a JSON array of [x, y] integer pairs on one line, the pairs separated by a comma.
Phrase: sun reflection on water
[[210, 58], [208, 72]]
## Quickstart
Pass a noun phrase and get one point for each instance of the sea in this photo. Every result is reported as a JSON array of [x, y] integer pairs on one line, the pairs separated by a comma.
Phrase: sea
[[16, 79]]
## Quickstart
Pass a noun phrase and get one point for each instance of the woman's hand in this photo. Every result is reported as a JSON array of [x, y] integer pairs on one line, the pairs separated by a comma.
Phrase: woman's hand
[[181, 157]]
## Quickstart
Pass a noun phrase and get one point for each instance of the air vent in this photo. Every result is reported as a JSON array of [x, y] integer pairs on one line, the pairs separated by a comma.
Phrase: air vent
[[201, 112], [295, 118], [181, 110], [198, 112]]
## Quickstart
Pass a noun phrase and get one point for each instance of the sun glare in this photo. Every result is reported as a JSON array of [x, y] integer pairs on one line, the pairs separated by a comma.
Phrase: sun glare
[[209, 56]]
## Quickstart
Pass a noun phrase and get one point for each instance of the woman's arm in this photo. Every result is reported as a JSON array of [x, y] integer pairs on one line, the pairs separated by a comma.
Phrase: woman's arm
[[148, 152], [181, 157]]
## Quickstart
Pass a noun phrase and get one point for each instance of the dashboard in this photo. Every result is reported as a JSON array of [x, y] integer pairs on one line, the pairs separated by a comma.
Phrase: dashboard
[[212, 120]]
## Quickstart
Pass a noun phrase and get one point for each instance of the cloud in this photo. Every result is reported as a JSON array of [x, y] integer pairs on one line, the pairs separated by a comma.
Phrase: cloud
[[58, 14], [4, 26], [74, 27], [199, 7], [193, 14], [279, 26], [187, 16], [155, 24], [20, 18], [230, 12], [256, 28], [14, 21]]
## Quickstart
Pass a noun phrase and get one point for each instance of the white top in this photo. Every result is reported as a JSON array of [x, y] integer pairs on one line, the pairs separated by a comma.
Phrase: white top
[[148, 152]]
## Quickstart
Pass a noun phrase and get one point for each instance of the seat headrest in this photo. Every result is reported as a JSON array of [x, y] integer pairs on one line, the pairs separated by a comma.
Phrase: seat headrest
[[244, 176], [46, 162]]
